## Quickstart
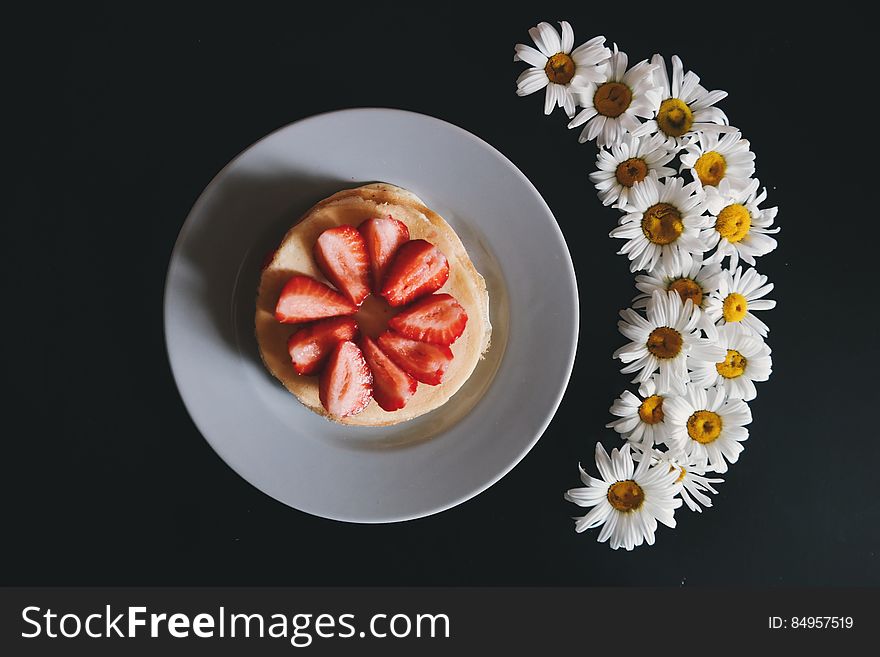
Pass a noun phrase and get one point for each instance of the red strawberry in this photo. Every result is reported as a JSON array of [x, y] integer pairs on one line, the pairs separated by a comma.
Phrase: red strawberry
[[383, 236], [303, 299], [425, 362], [419, 268], [346, 384], [311, 345], [341, 255], [392, 387], [438, 319]]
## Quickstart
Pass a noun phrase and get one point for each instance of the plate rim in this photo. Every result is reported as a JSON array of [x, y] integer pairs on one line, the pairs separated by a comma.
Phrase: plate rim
[[562, 382]]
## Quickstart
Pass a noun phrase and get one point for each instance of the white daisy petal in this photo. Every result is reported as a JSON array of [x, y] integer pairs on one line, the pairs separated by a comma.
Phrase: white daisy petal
[[546, 38], [567, 37], [530, 81], [551, 99], [594, 518], [530, 56]]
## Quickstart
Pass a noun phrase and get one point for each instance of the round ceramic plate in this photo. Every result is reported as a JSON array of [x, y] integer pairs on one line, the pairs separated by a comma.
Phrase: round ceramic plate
[[361, 474]]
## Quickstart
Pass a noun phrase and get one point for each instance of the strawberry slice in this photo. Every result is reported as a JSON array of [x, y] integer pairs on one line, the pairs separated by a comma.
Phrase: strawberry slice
[[346, 384], [426, 362], [311, 345], [341, 255], [392, 387], [438, 319], [419, 268], [303, 299], [383, 236]]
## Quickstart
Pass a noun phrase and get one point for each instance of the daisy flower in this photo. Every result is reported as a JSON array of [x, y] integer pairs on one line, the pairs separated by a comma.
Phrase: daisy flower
[[706, 428], [685, 107], [612, 103], [627, 500], [557, 67], [738, 296], [737, 226], [694, 485], [640, 417], [668, 341], [713, 158], [746, 360], [627, 164], [663, 224], [694, 282]]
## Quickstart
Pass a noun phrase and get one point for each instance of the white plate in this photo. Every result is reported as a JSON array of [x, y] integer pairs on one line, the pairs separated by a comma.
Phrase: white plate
[[371, 474]]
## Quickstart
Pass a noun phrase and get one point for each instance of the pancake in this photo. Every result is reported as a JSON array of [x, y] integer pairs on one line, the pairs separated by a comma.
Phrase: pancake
[[294, 256]]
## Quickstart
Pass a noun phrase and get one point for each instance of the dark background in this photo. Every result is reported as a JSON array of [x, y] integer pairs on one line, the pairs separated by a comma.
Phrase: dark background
[[122, 116]]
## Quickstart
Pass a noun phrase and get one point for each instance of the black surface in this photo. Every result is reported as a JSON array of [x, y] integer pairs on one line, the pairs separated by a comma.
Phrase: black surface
[[122, 118]]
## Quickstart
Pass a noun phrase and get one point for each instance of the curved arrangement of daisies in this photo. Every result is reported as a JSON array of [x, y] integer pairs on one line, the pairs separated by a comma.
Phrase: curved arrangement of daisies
[[683, 179]]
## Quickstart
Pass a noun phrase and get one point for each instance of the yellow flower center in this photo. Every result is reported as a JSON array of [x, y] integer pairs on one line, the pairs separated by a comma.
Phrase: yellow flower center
[[626, 495], [733, 365], [733, 223], [675, 118], [681, 474], [612, 99], [704, 427], [688, 288], [664, 342], [631, 171], [711, 167], [735, 307], [559, 68], [661, 223], [651, 409]]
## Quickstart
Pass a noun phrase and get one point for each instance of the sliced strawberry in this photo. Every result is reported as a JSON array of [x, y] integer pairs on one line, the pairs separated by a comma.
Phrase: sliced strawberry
[[392, 387], [311, 345], [303, 299], [346, 384], [426, 362], [383, 236], [419, 268], [341, 255], [439, 319]]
